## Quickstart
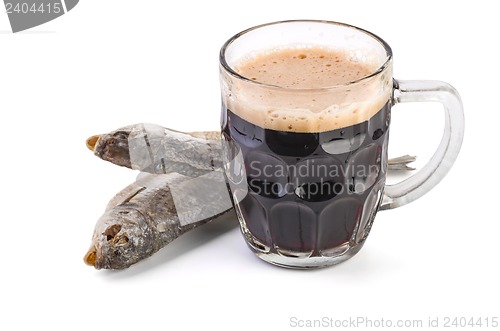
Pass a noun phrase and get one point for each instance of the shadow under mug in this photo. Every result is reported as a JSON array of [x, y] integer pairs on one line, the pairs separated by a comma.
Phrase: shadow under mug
[[306, 194]]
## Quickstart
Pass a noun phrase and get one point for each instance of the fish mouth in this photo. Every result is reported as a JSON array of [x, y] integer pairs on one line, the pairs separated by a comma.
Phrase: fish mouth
[[91, 257], [92, 141]]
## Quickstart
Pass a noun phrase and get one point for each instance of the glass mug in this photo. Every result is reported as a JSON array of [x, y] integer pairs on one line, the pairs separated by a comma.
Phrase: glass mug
[[306, 167]]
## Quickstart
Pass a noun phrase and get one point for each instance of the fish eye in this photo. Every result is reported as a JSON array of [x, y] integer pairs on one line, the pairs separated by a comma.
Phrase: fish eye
[[120, 135]]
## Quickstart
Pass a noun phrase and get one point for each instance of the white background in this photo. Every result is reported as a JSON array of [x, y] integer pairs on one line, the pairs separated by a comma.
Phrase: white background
[[111, 63]]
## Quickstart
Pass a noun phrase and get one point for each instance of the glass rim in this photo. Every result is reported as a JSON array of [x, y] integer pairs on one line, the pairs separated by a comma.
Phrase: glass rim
[[232, 72]]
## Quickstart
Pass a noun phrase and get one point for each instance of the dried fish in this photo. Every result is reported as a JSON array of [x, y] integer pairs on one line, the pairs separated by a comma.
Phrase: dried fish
[[158, 150], [152, 212]]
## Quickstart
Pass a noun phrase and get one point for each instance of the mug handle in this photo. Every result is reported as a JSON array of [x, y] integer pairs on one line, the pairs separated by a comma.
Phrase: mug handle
[[430, 175]]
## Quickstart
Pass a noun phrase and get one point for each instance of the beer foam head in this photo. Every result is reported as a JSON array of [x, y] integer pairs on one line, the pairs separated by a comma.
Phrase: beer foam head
[[306, 87]]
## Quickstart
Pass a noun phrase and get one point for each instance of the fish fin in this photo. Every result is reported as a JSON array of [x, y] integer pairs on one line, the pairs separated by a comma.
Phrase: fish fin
[[401, 163], [125, 195]]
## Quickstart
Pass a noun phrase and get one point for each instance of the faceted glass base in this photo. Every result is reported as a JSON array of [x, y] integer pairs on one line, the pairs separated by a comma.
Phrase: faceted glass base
[[313, 262]]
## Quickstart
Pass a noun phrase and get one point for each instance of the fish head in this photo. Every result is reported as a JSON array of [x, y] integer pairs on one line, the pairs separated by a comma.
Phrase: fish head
[[121, 238], [113, 147], [130, 146]]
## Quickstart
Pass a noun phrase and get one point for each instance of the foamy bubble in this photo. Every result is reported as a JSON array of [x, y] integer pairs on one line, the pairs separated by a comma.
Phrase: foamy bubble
[[308, 89]]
